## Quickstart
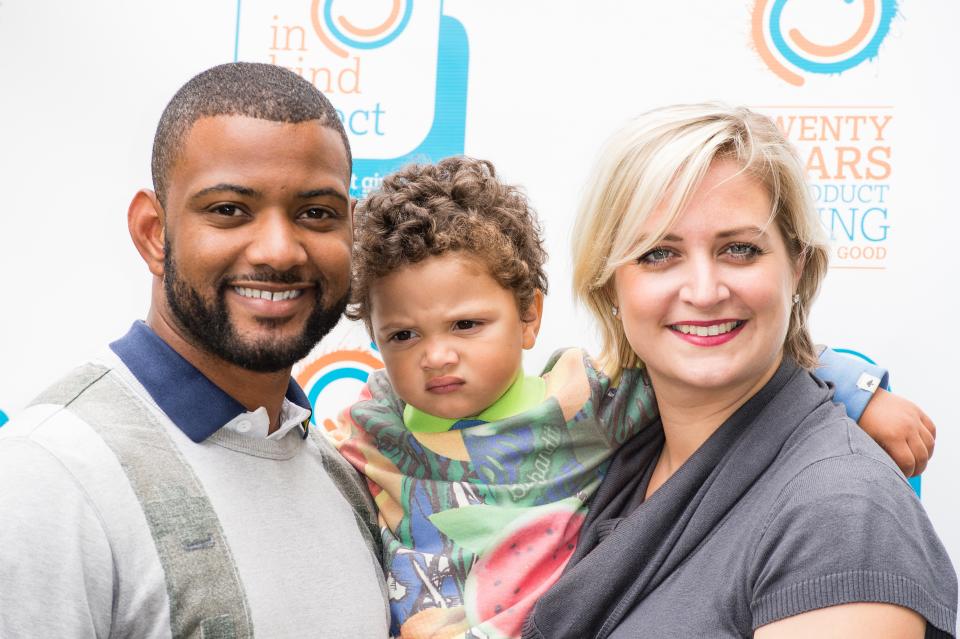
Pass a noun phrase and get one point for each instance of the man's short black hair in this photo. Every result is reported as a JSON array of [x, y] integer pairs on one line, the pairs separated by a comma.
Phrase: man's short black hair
[[250, 89]]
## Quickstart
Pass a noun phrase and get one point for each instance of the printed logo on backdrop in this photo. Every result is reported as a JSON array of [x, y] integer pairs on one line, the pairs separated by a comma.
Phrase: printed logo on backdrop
[[396, 71], [848, 155], [846, 149], [3, 418], [333, 380], [829, 37]]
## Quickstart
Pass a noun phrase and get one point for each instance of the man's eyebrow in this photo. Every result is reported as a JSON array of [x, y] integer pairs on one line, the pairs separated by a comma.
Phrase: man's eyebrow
[[326, 191], [224, 187], [742, 230]]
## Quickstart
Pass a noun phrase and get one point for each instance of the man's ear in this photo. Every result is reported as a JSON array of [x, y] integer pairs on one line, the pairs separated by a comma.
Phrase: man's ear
[[145, 223], [531, 320]]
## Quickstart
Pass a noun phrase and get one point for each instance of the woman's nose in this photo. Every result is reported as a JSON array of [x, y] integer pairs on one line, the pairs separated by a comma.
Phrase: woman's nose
[[704, 286]]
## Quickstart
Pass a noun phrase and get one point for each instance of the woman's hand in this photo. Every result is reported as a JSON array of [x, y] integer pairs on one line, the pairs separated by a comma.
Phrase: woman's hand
[[901, 429]]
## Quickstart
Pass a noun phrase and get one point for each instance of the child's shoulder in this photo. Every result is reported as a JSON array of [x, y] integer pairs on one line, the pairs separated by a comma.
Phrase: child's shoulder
[[569, 358], [570, 378]]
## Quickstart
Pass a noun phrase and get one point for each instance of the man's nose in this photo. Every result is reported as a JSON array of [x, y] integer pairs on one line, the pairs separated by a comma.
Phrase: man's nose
[[276, 242], [704, 285], [438, 353]]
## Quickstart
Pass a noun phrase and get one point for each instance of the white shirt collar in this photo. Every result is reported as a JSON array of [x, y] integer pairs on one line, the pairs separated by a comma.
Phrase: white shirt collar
[[256, 424]]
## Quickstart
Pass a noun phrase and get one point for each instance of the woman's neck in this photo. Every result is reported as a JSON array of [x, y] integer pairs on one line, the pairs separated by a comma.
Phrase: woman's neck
[[690, 415]]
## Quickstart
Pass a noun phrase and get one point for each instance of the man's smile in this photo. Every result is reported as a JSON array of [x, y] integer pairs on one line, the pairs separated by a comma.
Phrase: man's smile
[[276, 301], [273, 296]]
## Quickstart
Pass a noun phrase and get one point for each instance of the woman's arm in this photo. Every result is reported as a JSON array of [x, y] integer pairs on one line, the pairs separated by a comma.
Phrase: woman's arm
[[849, 621]]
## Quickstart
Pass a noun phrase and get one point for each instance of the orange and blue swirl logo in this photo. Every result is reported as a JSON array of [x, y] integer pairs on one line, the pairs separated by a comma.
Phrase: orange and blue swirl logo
[[333, 381], [850, 34], [3, 418], [337, 31]]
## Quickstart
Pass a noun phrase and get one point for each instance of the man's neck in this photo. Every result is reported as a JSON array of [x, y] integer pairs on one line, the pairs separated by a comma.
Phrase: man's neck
[[251, 389]]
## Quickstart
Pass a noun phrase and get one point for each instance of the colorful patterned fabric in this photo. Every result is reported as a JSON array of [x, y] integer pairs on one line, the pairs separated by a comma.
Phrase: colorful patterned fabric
[[478, 522]]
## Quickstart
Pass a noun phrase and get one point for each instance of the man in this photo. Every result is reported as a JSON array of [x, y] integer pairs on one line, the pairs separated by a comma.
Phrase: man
[[173, 488]]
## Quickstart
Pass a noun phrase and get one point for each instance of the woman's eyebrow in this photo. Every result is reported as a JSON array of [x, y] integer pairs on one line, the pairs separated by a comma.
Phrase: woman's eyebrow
[[742, 230]]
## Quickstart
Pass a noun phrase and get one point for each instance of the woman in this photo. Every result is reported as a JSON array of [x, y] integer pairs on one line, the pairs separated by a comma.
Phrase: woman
[[757, 508]]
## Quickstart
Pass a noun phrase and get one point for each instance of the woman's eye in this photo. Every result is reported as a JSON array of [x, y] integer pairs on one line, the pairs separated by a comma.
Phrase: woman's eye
[[466, 325], [402, 336], [743, 251], [657, 255]]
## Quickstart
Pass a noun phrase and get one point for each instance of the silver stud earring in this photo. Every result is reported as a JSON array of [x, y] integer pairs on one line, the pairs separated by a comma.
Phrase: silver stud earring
[[796, 298], [614, 311]]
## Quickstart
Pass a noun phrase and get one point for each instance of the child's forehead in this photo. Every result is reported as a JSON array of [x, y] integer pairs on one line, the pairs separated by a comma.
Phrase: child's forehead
[[462, 261], [452, 276]]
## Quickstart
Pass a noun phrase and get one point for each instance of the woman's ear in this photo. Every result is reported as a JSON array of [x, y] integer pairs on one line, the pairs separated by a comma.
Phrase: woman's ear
[[146, 225], [610, 289], [531, 320], [798, 265]]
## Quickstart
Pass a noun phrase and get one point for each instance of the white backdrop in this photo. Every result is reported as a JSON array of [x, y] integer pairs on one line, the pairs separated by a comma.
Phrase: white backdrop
[[867, 89]]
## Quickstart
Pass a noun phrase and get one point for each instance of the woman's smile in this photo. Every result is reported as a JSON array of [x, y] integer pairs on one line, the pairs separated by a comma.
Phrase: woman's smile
[[708, 333]]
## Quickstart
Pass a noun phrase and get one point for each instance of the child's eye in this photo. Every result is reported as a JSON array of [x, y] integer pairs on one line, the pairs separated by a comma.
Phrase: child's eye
[[402, 336], [466, 325], [743, 251], [656, 256]]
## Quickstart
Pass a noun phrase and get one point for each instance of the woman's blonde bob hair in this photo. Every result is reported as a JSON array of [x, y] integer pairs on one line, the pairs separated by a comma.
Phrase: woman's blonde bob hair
[[659, 159]]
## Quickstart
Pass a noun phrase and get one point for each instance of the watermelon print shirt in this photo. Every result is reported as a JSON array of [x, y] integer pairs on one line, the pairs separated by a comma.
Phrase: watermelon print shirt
[[479, 516]]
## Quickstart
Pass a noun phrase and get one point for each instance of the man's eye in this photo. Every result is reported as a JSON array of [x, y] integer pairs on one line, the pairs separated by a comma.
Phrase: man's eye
[[227, 210], [319, 213], [657, 255], [402, 336], [466, 325], [743, 251]]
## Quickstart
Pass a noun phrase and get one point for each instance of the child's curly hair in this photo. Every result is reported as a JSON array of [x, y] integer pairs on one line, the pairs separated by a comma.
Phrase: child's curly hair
[[455, 205]]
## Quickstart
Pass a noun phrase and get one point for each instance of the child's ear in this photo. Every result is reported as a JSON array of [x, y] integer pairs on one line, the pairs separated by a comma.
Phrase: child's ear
[[531, 320]]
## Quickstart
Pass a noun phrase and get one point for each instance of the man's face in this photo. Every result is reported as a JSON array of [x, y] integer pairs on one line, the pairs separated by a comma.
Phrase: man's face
[[257, 234]]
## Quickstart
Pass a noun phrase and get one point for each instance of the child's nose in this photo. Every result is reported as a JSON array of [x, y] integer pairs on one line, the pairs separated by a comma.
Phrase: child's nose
[[438, 353]]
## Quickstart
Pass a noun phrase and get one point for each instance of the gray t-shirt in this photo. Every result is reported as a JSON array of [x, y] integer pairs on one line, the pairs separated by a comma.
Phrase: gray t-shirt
[[788, 507], [832, 522]]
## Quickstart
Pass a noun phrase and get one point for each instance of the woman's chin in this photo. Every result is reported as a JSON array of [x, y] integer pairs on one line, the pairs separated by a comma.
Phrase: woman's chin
[[713, 377]]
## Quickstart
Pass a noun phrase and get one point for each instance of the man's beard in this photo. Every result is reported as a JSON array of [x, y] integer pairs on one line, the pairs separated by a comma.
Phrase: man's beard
[[208, 322]]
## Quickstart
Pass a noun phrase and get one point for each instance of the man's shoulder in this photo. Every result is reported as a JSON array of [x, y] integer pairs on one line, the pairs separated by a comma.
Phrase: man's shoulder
[[59, 424], [48, 412], [67, 498]]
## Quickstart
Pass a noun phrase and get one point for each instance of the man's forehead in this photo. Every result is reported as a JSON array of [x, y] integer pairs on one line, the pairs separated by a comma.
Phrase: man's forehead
[[254, 145]]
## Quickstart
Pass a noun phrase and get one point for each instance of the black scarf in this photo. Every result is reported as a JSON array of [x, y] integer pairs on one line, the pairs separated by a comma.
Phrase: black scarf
[[602, 582]]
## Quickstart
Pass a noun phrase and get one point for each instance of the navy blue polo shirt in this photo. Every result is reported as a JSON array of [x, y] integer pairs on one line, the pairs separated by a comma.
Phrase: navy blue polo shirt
[[195, 404]]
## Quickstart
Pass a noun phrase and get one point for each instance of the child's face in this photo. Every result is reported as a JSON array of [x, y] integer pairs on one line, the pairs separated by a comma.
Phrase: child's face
[[451, 337]]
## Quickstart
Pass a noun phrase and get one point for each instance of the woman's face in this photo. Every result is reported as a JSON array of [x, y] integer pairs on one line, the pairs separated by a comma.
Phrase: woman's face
[[708, 307]]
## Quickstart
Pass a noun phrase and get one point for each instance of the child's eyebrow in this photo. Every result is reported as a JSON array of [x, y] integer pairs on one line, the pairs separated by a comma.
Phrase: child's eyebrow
[[384, 328]]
